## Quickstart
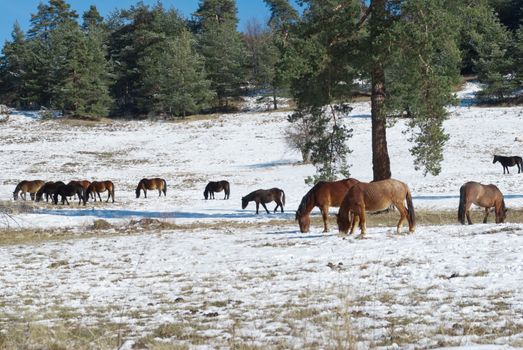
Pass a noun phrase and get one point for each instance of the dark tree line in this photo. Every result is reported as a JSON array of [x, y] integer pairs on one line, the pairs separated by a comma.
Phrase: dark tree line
[[140, 61]]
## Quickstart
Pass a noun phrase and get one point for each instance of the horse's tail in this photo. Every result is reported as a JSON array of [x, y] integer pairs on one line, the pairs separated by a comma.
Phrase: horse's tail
[[283, 197], [410, 209], [227, 188], [164, 187], [461, 208]]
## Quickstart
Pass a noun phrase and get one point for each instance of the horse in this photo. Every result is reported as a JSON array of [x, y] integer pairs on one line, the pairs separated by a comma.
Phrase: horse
[[49, 188], [69, 190], [152, 184], [84, 183], [27, 186], [100, 186], [375, 196], [509, 161], [486, 196], [265, 196], [217, 186], [322, 195]]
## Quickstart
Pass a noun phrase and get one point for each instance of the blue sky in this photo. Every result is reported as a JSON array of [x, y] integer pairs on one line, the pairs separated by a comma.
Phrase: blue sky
[[21, 10]]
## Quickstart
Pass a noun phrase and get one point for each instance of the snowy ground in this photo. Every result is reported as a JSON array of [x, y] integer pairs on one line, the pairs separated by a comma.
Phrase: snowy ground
[[233, 278]]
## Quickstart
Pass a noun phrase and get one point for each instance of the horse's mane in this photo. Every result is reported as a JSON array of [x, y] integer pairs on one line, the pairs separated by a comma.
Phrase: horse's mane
[[305, 201]]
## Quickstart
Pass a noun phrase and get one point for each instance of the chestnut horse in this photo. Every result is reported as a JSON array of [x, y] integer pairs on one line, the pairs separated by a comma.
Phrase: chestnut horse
[[217, 186], [509, 161], [48, 189], [100, 186], [375, 196], [323, 195], [30, 187], [486, 196], [151, 184], [265, 196]]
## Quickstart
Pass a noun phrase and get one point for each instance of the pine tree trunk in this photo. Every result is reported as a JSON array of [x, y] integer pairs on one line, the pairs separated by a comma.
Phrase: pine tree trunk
[[380, 153], [274, 99]]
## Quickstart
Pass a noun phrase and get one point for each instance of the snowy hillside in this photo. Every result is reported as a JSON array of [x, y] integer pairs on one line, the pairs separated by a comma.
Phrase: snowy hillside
[[229, 278]]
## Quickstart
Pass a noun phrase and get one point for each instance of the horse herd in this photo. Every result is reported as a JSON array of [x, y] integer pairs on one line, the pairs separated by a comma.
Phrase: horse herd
[[353, 198], [83, 189]]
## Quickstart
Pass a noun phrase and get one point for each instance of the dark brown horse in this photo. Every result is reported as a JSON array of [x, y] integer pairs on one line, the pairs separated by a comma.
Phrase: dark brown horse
[[323, 195], [375, 196], [509, 161], [69, 190], [49, 188], [486, 196], [265, 196], [217, 186], [30, 187], [100, 186], [152, 184]]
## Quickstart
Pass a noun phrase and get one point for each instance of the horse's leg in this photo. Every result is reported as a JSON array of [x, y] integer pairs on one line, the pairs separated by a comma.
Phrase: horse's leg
[[22, 195], [325, 216], [508, 172], [99, 197], [363, 220], [265, 207], [486, 215], [403, 215], [467, 212], [355, 221], [257, 207], [32, 195], [145, 193]]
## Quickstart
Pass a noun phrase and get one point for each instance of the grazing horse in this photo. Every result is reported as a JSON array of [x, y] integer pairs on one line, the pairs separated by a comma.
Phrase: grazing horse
[[509, 161], [49, 188], [69, 190], [217, 186], [27, 186], [375, 196], [100, 186], [265, 196], [323, 195], [486, 196], [152, 184]]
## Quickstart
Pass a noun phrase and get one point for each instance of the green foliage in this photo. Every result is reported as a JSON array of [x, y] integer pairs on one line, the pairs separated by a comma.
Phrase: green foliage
[[325, 142], [422, 69], [222, 47]]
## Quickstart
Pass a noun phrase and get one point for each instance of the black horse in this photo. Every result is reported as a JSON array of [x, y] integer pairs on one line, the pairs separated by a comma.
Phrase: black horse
[[48, 189], [69, 190], [217, 186], [509, 161]]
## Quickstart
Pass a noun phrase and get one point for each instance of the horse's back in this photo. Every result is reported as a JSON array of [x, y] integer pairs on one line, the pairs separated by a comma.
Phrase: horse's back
[[378, 195]]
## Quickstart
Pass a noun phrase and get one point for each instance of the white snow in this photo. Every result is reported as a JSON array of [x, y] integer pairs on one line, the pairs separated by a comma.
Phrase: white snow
[[262, 282]]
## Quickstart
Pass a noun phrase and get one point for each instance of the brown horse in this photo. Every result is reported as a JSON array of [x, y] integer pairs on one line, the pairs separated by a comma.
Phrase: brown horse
[[509, 161], [25, 186], [486, 196], [217, 186], [265, 196], [323, 195], [375, 196], [152, 184], [100, 186], [49, 188]]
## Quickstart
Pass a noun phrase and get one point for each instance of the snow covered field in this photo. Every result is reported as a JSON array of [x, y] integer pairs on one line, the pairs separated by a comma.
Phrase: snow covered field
[[220, 276]]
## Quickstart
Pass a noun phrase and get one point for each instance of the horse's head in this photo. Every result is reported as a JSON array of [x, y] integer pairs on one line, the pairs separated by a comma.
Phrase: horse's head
[[15, 195], [138, 191], [501, 213], [206, 194], [244, 203], [304, 221], [496, 158], [343, 223], [38, 196]]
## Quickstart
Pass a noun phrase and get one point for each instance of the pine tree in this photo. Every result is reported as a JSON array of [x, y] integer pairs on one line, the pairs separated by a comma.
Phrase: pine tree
[[13, 69], [221, 46]]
